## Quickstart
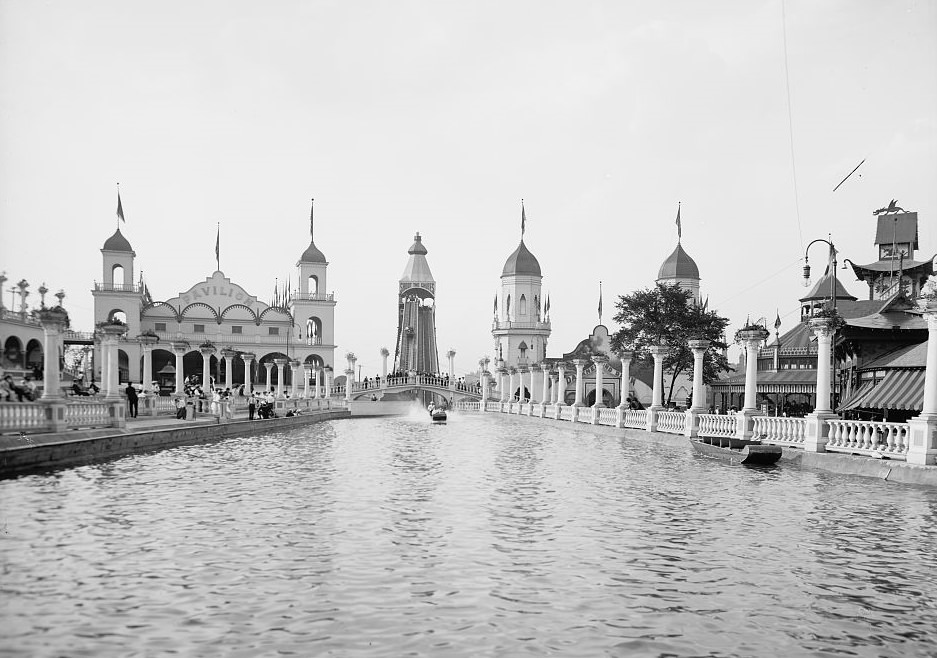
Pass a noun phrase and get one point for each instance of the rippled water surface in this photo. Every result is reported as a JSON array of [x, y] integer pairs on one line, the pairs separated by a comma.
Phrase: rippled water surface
[[489, 536]]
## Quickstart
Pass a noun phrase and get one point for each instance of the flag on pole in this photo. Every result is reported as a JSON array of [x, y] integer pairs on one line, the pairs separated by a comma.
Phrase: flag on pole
[[311, 208], [679, 228], [600, 302], [777, 321], [120, 208], [523, 219], [218, 248]]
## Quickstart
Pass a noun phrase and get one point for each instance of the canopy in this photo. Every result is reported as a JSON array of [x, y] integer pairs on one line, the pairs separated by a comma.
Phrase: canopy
[[857, 398], [900, 389]]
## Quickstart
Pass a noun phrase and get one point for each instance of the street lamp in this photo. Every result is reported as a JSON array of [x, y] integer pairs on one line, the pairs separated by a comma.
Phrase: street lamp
[[832, 253]]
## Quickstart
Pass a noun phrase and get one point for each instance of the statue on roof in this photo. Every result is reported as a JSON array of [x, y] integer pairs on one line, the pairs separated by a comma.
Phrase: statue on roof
[[892, 207]]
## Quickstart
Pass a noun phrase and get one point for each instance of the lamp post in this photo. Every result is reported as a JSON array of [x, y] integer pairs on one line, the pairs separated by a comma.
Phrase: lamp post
[[832, 255]]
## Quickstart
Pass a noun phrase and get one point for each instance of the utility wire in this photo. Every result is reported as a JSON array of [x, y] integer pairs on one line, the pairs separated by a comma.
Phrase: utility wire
[[790, 125]]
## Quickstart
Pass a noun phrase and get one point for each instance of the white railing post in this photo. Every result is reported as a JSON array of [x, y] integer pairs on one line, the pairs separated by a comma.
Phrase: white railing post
[[691, 426], [922, 429], [657, 401], [817, 427]]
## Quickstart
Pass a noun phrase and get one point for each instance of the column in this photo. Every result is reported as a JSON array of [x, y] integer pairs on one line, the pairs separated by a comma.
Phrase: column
[[111, 334], [554, 389], [179, 349], [752, 340], [228, 368], [502, 384], [207, 350], [511, 371], [295, 367], [580, 384], [267, 386], [53, 323], [691, 427], [384, 354], [523, 392], [922, 432], [307, 373], [146, 345], [545, 385], [327, 373], [281, 385], [599, 361], [247, 358], [659, 352], [561, 384], [485, 375], [349, 378], [451, 355], [317, 394], [536, 374], [626, 357]]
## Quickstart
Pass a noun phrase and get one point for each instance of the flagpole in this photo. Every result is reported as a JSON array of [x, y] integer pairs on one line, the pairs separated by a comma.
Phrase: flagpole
[[117, 219], [218, 248]]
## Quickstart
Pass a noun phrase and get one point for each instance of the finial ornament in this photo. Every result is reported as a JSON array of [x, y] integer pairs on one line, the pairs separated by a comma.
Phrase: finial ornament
[[679, 228], [311, 209], [523, 219]]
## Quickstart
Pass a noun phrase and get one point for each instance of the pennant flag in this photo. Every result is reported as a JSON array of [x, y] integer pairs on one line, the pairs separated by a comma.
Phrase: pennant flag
[[120, 208], [311, 208], [218, 248], [600, 302], [523, 219], [777, 321], [679, 228]]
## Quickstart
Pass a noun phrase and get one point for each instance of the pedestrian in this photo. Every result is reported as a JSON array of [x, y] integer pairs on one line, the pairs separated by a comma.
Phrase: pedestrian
[[132, 400], [180, 408], [251, 407]]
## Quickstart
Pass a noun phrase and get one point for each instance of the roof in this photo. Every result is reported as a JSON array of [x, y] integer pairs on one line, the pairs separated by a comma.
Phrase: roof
[[900, 389], [897, 227], [521, 263], [801, 336], [888, 320], [889, 265], [906, 356], [117, 242], [312, 254], [821, 290], [417, 269], [678, 265], [793, 376]]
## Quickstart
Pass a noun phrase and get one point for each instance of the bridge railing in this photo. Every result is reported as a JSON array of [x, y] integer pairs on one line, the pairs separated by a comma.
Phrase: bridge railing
[[866, 437]]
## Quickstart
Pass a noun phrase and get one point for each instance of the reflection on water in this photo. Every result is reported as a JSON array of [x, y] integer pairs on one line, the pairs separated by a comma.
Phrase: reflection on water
[[485, 537]]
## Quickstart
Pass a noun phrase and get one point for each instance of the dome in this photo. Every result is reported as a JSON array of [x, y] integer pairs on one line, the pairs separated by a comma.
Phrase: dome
[[117, 242], [521, 262], [417, 246], [678, 265], [312, 254]]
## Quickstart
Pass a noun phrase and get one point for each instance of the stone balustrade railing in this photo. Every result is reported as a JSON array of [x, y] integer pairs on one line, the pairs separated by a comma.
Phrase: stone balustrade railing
[[717, 425], [866, 437], [780, 430], [22, 416], [607, 416], [635, 419], [672, 422], [566, 413]]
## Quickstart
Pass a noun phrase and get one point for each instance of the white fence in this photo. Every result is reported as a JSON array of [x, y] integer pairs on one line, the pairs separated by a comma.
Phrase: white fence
[[635, 419], [866, 437], [717, 425], [672, 422], [780, 430]]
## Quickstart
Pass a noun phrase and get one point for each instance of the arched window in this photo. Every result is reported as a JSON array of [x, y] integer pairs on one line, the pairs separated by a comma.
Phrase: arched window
[[523, 305], [117, 275], [508, 308], [313, 284], [313, 331]]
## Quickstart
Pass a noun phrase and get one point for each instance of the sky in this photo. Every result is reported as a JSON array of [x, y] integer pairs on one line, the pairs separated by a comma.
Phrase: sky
[[439, 117]]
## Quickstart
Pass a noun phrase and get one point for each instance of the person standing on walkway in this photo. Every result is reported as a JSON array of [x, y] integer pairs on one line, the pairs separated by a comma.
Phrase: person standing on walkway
[[251, 407], [132, 400], [180, 408]]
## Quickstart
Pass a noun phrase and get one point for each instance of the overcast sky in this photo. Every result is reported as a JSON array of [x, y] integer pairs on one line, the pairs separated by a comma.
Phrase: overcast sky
[[439, 117]]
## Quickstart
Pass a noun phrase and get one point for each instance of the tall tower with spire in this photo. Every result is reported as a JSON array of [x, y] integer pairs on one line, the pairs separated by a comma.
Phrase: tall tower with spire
[[679, 268], [416, 316], [314, 306], [521, 326]]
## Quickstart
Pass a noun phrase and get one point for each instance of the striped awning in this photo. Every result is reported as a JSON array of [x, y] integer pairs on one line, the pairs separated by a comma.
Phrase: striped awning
[[857, 399], [900, 389]]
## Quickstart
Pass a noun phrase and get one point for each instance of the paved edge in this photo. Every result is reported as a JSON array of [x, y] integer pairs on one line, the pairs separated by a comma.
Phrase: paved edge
[[54, 451], [831, 462]]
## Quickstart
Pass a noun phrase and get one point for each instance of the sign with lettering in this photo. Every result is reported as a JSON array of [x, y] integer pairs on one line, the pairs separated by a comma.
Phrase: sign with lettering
[[218, 292]]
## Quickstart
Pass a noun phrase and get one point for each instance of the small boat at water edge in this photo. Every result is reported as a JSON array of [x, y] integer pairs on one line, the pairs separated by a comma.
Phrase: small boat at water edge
[[738, 451], [437, 414]]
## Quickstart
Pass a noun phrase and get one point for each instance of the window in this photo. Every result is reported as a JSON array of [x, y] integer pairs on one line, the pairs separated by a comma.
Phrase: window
[[160, 326], [273, 331], [523, 306], [235, 329], [199, 329]]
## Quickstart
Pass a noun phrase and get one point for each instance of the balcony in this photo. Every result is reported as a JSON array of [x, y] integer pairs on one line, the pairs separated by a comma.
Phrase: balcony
[[313, 297], [116, 287], [510, 324]]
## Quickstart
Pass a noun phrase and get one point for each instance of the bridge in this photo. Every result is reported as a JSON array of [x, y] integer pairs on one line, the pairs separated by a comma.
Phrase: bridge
[[448, 389]]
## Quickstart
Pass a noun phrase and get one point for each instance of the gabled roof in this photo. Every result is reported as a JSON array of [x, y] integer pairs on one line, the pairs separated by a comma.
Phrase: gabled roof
[[821, 290], [417, 269], [889, 265], [906, 356], [897, 228]]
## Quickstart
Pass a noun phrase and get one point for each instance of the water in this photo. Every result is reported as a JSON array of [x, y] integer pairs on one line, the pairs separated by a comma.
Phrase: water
[[489, 536]]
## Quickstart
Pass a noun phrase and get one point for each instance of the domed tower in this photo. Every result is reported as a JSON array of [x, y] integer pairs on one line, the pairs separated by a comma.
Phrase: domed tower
[[520, 328], [314, 306], [416, 317], [117, 293], [680, 269]]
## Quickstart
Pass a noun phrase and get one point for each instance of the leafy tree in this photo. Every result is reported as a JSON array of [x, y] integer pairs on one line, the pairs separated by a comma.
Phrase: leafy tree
[[665, 315]]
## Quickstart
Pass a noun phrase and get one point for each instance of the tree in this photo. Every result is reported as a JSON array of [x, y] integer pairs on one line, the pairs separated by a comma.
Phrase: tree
[[665, 315]]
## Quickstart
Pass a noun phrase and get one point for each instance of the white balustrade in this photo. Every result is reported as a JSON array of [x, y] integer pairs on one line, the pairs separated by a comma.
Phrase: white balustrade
[[19, 416], [866, 437], [87, 414], [780, 430], [717, 425], [635, 419], [566, 413], [672, 422], [607, 416]]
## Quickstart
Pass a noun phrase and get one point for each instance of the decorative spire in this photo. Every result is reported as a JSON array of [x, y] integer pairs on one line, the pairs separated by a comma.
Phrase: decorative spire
[[523, 220], [600, 302], [679, 228], [311, 223]]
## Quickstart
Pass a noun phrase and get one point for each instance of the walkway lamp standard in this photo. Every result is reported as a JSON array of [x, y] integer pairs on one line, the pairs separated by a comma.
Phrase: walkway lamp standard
[[825, 404]]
